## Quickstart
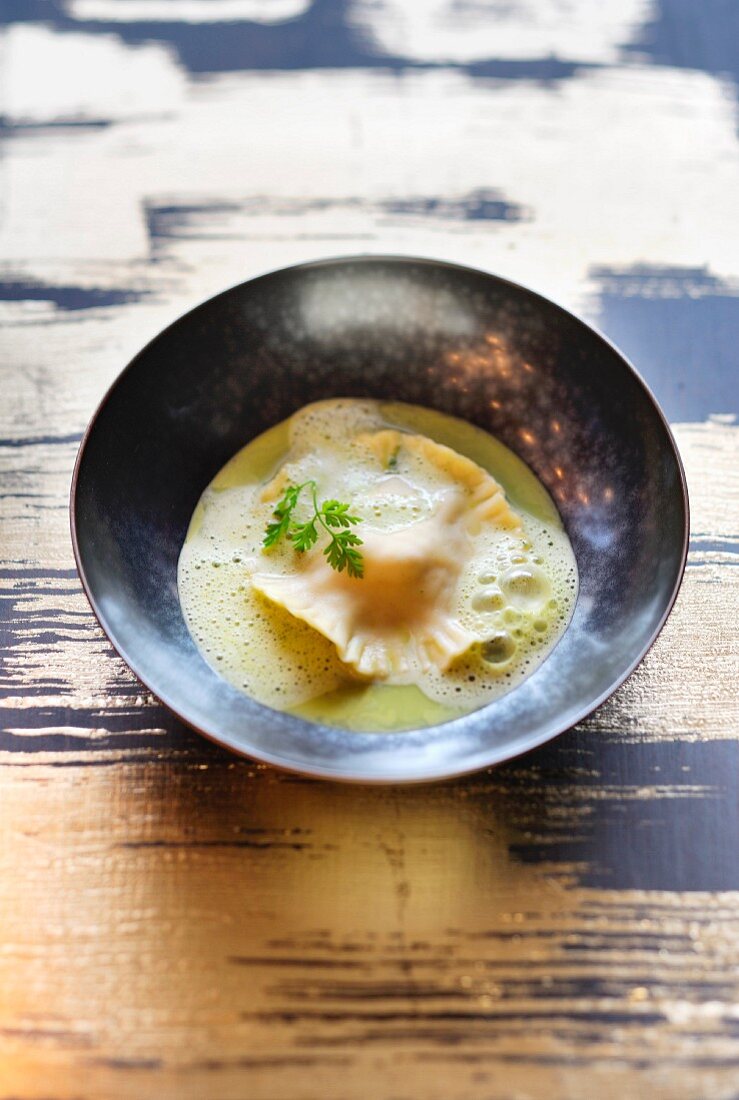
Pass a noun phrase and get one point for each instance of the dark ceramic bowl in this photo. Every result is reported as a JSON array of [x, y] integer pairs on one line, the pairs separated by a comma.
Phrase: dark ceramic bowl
[[433, 334]]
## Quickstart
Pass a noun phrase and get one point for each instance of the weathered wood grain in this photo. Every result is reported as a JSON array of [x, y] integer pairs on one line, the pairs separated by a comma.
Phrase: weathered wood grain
[[175, 922], [206, 926]]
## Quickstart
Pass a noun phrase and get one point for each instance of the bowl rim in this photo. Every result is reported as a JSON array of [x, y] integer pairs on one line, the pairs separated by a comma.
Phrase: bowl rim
[[496, 754]]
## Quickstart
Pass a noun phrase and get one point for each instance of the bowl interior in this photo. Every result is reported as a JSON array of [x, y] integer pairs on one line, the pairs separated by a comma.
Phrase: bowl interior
[[433, 334]]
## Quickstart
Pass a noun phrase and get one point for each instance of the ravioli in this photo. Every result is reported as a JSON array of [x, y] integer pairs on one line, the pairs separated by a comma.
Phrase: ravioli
[[403, 613], [462, 592], [400, 614]]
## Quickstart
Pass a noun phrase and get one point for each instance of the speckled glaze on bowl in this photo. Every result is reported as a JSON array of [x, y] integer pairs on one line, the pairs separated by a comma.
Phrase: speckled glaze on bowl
[[431, 333]]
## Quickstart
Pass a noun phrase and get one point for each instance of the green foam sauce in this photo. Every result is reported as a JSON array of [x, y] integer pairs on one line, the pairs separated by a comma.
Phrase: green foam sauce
[[387, 708]]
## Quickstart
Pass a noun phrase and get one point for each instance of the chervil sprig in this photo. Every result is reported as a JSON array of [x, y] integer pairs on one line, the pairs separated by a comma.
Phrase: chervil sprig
[[283, 516], [332, 515]]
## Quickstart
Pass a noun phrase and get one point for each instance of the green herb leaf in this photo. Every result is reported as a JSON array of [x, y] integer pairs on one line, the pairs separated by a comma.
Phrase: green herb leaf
[[342, 555], [333, 516], [283, 516], [304, 535], [336, 514]]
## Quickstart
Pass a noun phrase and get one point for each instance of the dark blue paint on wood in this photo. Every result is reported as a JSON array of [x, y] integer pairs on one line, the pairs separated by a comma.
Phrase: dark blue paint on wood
[[691, 35], [680, 327], [67, 297], [323, 37], [671, 839]]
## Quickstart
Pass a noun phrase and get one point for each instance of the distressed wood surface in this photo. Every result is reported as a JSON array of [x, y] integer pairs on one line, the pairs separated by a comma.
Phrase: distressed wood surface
[[178, 923]]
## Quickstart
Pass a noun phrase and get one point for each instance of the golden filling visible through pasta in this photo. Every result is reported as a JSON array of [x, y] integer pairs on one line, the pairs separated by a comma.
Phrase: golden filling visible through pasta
[[468, 577]]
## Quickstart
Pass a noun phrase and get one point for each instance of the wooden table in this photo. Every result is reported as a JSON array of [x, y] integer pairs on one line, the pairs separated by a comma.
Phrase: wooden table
[[179, 923]]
